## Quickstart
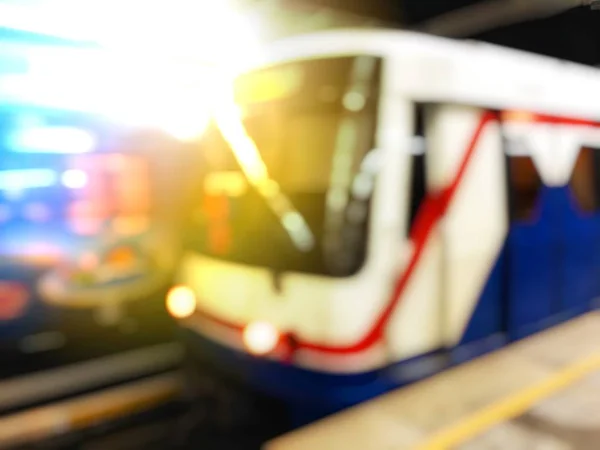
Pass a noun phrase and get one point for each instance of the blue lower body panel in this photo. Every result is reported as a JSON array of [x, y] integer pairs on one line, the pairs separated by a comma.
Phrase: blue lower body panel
[[293, 385], [308, 394]]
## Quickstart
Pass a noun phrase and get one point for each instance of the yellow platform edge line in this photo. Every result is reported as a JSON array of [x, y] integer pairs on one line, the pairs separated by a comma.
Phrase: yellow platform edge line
[[75, 414], [510, 407]]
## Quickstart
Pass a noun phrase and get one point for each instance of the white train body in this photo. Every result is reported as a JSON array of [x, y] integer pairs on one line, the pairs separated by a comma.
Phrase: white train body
[[421, 289]]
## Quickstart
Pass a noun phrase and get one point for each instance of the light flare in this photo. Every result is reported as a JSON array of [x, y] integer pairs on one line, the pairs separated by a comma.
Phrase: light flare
[[249, 158], [261, 338], [181, 302]]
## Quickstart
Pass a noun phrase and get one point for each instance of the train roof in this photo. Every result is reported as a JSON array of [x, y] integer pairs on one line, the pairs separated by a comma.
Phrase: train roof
[[430, 68]]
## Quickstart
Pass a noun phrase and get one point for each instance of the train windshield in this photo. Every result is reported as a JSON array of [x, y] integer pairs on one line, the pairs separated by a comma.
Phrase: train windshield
[[298, 198]]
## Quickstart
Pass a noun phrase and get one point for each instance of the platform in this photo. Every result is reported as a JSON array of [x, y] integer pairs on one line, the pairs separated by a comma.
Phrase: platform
[[542, 392]]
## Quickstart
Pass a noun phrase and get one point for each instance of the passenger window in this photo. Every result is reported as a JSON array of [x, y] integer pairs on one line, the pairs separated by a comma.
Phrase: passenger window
[[584, 180], [418, 185], [525, 188]]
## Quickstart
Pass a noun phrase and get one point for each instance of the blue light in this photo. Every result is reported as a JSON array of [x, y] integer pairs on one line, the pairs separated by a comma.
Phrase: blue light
[[62, 140], [17, 180]]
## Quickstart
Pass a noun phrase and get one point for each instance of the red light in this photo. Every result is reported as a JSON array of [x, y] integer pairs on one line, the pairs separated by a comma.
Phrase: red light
[[13, 300]]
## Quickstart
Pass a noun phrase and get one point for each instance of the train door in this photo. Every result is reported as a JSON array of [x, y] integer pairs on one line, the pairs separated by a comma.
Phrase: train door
[[466, 172], [457, 226], [553, 244]]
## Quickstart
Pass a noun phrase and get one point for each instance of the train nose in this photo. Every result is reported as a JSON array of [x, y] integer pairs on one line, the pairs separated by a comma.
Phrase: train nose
[[181, 302]]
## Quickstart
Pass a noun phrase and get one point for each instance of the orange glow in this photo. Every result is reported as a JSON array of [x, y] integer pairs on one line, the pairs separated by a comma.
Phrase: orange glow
[[121, 256], [216, 209], [518, 116], [220, 238], [131, 185], [130, 226]]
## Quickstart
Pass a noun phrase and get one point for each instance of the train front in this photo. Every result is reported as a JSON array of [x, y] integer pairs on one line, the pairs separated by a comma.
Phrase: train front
[[277, 269]]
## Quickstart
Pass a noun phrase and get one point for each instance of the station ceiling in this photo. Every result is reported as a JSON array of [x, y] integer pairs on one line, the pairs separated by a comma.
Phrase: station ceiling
[[573, 34]]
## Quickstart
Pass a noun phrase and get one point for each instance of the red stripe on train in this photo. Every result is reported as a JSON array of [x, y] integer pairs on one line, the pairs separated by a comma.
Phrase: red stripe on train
[[430, 212]]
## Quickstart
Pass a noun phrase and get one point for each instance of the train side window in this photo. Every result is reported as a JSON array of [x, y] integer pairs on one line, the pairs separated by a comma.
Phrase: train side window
[[418, 184], [525, 188], [584, 182]]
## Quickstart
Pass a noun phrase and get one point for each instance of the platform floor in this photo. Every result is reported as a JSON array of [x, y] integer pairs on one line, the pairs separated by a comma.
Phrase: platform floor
[[541, 393]]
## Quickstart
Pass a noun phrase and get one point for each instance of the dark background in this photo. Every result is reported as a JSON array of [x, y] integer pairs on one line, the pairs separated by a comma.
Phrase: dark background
[[573, 35]]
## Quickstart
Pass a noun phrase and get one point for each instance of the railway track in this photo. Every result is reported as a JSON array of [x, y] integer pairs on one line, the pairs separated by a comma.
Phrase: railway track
[[157, 412]]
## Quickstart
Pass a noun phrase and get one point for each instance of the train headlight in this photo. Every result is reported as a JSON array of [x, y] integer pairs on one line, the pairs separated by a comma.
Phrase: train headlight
[[260, 338], [181, 302]]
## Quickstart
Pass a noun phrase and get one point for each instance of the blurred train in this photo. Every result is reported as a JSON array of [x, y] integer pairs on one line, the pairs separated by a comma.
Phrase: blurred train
[[380, 205], [84, 263], [88, 243]]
